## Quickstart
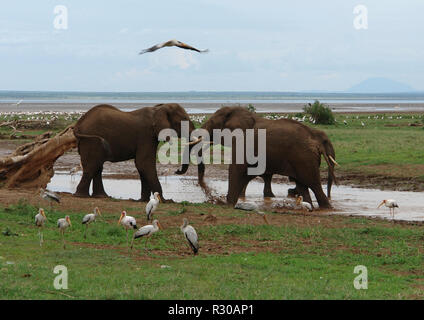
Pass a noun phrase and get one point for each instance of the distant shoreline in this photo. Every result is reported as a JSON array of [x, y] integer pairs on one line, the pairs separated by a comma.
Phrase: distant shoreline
[[210, 107]]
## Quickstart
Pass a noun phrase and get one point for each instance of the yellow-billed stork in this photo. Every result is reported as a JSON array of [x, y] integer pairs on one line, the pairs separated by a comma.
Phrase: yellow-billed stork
[[63, 224], [127, 222], [190, 235], [146, 231], [152, 205], [40, 219], [391, 204], [89, 218]]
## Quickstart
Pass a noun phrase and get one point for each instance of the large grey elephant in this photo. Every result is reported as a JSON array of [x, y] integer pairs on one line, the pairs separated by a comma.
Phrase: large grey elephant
[[292, 149], [105, 133]]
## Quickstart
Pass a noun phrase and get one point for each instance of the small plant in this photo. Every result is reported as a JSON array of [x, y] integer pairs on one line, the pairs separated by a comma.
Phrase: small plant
[[320, 113], [251, 108]]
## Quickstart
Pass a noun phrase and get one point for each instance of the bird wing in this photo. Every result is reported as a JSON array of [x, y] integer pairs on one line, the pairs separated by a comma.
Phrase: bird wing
[[149, 207], [155, 47], [143, 231], [53, 196], [186, 46], [86, 218]]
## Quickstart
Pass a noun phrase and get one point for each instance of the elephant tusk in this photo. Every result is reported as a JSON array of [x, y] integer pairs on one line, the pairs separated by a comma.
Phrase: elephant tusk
[[192, 142], [334, 161]]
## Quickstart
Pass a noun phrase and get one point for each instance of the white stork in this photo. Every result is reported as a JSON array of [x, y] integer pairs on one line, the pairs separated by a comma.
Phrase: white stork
[[391, 204], [89, 218], [63, 224], [248, 206], [191, 236], [172, 43], [152, 205], [40, 219], [146, 231], [303, 205], [127, 222], [49, 196]]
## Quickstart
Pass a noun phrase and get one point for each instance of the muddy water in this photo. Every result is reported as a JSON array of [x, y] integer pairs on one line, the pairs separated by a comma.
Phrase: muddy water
[[345, 200]]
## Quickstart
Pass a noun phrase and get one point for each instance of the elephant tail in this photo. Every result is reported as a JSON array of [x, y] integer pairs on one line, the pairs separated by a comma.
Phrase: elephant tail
[[105, 144]]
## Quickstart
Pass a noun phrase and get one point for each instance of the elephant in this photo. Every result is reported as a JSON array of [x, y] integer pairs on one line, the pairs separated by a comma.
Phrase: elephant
[[322, 138], [105, 133], [292, 149]]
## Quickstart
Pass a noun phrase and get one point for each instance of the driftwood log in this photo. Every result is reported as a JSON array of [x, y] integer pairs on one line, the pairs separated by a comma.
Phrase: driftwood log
[[31, 165]]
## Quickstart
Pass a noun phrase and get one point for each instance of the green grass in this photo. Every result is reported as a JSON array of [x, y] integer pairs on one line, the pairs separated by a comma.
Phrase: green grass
[[272, 262]]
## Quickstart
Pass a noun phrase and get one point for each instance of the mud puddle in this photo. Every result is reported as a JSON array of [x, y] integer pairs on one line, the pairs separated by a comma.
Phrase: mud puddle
[[345, 200]]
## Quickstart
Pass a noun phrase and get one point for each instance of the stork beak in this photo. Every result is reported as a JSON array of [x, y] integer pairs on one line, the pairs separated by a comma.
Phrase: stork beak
[[69, 221], [160, 199], [160, 226], [120, 218], [98, 211], [380, 204], [265, 219]]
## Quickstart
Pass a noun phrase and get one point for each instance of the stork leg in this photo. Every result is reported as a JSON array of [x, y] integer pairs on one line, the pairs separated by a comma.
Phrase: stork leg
[[127, 235], [63, 238]]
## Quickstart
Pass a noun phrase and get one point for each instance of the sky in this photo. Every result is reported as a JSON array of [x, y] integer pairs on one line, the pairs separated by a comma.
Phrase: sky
[[254, 45]]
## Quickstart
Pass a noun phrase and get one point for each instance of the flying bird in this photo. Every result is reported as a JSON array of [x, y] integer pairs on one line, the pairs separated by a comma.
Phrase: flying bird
[[40, 219], [152, 206], [89, 218], [391, 204], [172, 43], [146, 231], [191, 236], [63, 224]]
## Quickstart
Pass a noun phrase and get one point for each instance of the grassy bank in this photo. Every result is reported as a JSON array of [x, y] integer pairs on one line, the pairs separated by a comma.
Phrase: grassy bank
[[293, 258]]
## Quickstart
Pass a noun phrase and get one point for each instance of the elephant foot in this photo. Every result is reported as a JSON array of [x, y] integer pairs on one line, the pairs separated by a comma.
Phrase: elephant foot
[[269, 195], [292, 192], [100, 195], [81, 195]]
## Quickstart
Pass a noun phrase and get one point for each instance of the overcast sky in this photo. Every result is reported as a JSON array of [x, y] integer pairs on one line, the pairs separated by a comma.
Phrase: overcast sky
[[254, 45]]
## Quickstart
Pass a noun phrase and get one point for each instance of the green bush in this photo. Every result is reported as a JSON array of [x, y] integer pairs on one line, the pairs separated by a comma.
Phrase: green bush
[[251, 108], [321, 113]]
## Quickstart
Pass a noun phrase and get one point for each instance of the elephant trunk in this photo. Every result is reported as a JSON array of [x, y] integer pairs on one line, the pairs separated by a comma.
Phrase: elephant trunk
[[330, 158]]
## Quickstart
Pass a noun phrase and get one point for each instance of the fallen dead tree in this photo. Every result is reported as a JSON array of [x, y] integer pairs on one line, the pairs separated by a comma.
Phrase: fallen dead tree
[[31, 165]]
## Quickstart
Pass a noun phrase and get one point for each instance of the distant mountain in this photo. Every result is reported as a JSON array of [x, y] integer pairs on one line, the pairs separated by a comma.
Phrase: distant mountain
[[380, 85]]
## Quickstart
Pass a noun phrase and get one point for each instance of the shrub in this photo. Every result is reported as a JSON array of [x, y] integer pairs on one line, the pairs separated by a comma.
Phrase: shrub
[[321, 113], [251, 108]]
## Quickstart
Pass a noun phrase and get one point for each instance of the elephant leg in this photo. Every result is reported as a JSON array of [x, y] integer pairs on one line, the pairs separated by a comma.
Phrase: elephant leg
[[303, 191], [237, 180], [98, 189], [292, 192], [91, 163], [146, 191], [147, 167], [243, 192], [267, 186], [320, 195]]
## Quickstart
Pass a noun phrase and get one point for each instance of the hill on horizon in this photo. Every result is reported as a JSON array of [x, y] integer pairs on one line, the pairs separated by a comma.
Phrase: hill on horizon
[[380, 85]]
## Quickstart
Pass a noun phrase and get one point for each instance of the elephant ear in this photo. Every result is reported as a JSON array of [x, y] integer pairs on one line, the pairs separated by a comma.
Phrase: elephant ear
[[242, 119], [161, 118]]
